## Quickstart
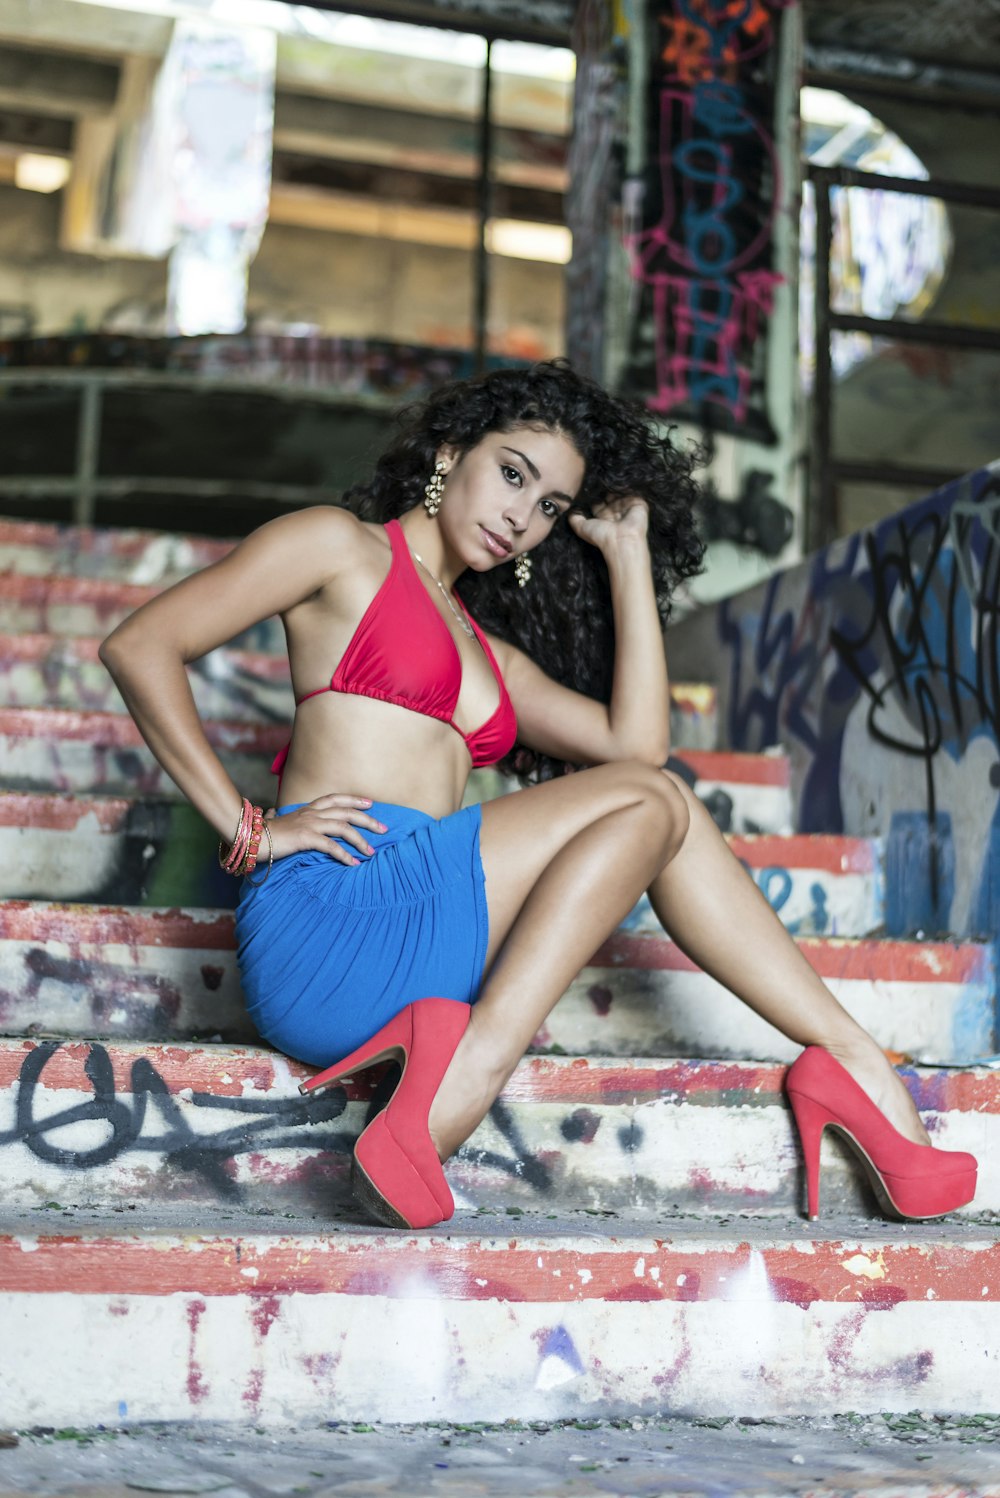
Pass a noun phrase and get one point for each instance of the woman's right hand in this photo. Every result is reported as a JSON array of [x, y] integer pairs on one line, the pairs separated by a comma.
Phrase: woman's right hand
[[314, 826]]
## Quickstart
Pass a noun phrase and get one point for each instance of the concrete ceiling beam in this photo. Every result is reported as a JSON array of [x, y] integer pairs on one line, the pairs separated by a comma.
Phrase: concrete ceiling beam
[[92, 30], [344, 213], [50, 83], [23, 131], [421, 85], [344, 131], [548, 22], [399, 185], [305, 65]]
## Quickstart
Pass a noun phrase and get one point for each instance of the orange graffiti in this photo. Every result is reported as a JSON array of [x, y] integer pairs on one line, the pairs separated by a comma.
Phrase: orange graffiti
[[688, 49]]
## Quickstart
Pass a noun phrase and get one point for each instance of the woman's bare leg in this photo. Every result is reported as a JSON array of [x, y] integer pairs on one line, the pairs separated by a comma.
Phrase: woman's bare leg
[[564, 863], [716, 914]]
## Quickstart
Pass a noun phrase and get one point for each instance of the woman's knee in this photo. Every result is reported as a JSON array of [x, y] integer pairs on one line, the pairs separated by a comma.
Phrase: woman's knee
[[662, 801]]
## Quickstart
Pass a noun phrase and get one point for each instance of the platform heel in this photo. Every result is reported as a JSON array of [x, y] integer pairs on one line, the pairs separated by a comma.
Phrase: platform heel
[[912, 1181], [395, 1173]]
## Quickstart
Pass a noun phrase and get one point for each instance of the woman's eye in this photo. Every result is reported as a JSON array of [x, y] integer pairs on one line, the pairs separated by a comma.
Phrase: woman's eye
[[549, 508], [507, 471]]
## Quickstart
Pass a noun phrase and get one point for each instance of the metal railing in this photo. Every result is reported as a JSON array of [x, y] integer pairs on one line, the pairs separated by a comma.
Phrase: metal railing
[[86, 485], [826, 470]]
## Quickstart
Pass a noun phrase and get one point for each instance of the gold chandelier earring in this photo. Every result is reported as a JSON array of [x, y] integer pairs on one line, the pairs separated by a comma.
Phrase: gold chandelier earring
[[522, 571], [435, 489]]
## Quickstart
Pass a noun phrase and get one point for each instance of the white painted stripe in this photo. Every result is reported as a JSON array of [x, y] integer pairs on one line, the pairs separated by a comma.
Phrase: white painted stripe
[[411, 1356], [623, 1012]]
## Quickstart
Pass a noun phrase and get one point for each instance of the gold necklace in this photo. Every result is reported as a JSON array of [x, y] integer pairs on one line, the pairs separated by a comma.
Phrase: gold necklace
[[447, 597]]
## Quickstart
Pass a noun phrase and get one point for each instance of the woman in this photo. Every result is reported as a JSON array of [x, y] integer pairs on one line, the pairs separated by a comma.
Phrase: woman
[[388, 922]]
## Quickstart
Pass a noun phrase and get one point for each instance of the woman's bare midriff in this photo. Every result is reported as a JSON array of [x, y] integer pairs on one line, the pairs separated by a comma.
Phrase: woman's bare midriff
[[359, 746]]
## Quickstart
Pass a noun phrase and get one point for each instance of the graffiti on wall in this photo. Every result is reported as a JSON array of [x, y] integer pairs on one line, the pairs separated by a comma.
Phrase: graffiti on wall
[[877, 665], [201, 1135], [127, 1121], [701, 237]]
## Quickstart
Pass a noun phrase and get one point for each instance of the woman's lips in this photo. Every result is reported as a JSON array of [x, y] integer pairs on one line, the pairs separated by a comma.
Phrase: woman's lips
[[495, 545]]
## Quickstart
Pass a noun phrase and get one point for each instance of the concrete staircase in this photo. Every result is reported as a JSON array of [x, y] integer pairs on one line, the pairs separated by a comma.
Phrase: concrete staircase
[[177, 1238]]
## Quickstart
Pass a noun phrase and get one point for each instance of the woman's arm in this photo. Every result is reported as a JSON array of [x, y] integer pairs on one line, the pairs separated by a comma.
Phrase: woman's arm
[[275, 568], [636, 723]]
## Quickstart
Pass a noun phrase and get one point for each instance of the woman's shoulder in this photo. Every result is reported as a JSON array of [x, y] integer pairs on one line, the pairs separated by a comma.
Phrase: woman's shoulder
[[324, 523], [331, 537]]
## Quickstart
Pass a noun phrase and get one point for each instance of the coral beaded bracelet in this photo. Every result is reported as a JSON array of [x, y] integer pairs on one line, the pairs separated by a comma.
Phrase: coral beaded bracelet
[[240, 857]]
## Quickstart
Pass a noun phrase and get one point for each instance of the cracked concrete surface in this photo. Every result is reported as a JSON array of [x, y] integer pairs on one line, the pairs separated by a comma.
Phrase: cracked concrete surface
[[916, 1455]]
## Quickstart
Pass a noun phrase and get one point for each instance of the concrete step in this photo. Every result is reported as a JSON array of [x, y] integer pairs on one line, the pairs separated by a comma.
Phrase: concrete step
[[59, 749], [64, 671], [127, 973], [84, 1122], [56, 749], [47, 670], [242, 1318], [819, 885], [59, 605], [641, 996], [111, 850], [746, 793], [34, 549]]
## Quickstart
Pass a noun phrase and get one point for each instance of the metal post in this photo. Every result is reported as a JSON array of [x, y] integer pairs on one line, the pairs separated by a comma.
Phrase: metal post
[[821, 519], [88, 438], [482, 259]]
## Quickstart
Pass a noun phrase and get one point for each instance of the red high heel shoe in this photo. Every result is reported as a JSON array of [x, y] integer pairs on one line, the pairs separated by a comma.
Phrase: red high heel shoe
[[910, 1180], [396, 1173]]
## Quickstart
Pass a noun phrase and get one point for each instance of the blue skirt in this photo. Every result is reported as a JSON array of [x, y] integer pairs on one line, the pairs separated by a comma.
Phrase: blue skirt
[[329, 953]]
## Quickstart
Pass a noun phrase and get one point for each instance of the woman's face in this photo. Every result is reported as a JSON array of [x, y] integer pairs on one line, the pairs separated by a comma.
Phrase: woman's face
[[503, 496]]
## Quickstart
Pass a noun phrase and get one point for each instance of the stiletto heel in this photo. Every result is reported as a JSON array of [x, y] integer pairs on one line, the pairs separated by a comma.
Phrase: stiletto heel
[[911, 1180], [395, 1172], [381, 1047], [810, 1119]]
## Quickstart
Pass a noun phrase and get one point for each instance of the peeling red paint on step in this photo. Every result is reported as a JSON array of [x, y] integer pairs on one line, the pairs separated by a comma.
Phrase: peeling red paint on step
[[876, 1277], [848, 958], [222, 1071], [30, 809], [85, 540], [738, 768], [99, 925], [821, 851], [53, 589], [117, 730], [234, 1071], [825, 854], [36, 648]]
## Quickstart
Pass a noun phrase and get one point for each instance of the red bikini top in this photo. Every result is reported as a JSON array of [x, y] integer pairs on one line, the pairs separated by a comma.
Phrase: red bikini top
[[403, 652]]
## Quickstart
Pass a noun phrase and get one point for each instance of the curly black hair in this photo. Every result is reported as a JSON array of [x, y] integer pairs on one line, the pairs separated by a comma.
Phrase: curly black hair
[[563, 620]]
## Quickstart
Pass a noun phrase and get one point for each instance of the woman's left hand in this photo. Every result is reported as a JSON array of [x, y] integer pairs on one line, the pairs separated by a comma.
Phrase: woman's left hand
[[614, 520]]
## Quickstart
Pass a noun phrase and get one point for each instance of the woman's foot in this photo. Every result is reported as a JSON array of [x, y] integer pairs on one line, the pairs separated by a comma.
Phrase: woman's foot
[[871, 1069]]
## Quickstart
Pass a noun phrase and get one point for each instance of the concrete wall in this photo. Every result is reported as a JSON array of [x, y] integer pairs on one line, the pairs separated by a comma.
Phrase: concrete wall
[[61, 292], [343, 284], [875, 663]]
